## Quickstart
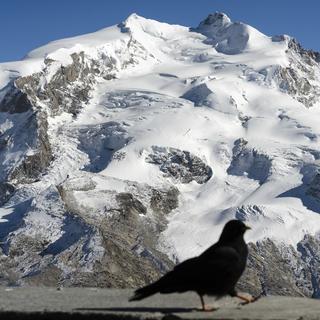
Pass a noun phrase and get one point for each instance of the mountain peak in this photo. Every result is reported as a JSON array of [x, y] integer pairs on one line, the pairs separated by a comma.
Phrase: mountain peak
[[131, 22], [231, 37], [217, 20], [143, 28], [133, 17]]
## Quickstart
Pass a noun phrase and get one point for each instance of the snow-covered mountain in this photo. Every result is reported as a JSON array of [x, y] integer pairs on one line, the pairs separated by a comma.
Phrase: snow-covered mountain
[[126, 150]]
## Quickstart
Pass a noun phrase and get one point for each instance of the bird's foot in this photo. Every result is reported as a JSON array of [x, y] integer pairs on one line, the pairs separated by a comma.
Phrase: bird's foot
[[207, 309], [204, 306], [247, 300]]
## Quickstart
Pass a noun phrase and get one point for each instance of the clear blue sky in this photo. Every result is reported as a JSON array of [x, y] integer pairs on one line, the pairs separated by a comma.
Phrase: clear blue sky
[[27, 24]]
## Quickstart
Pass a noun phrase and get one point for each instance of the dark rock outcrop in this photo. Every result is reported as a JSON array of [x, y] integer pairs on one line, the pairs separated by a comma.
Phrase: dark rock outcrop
[[6, 191], [249, 161], [181, 165], [15, 101], [314, 187], [32, 166], [199, 95]]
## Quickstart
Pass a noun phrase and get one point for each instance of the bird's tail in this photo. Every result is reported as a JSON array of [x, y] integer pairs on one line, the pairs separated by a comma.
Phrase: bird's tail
[[145, 292]]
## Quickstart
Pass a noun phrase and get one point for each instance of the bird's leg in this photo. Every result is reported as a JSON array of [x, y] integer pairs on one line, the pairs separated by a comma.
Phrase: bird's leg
[[203, 305], [247, 300]]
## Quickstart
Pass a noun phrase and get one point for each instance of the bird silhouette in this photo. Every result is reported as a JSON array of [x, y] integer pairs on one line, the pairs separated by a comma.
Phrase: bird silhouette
[[215, 272]]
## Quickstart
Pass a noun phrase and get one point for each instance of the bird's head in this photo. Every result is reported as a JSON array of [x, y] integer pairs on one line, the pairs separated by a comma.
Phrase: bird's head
[[233, 229]]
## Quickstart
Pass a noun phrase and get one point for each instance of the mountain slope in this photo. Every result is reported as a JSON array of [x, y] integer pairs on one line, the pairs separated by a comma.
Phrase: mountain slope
[[128, 149]]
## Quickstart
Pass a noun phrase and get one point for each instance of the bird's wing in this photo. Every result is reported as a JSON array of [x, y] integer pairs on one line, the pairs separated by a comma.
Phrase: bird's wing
[[180, 278], [186, 265], [221, 268], [224, 255], [222, 259]]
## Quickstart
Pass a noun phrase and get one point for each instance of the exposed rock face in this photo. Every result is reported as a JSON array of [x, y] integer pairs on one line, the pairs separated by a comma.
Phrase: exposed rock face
[[314, 187], [299, 79], [15, 101], [309, 248], [277, 269], [6, 191], [270, 272], [58, 90], [33, 150], [128, 223], [249, 161], [198, 95], [105, 245], [297, 86], [37, 162], [181, 165]]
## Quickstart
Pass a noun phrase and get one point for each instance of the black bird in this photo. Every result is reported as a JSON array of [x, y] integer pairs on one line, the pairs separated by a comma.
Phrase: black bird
[[215, 272]]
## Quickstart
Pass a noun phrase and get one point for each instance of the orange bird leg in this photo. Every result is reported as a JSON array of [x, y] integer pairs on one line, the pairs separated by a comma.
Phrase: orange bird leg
[[246, 299], [204, 307]]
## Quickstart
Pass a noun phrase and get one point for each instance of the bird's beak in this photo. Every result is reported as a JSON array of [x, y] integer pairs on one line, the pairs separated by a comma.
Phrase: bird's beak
[[248, 228]]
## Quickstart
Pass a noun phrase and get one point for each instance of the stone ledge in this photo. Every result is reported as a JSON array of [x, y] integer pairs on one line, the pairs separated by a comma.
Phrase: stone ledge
[[90, 303]]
